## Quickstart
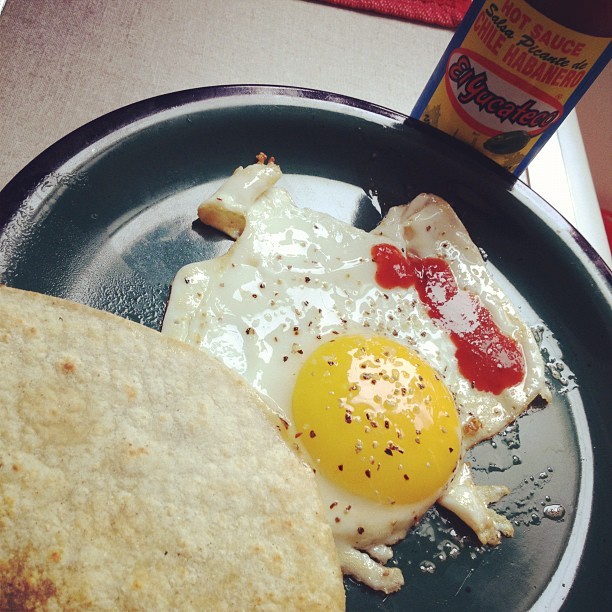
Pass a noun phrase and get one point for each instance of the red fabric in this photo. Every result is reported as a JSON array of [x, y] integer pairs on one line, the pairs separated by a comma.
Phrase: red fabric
[[445, 13], [607, 219]]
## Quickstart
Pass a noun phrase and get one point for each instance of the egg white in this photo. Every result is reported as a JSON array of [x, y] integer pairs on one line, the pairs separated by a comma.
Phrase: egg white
[[295, 278]]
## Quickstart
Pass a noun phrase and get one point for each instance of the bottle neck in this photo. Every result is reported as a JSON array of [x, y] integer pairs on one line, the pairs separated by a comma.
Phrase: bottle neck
[[592, 17]]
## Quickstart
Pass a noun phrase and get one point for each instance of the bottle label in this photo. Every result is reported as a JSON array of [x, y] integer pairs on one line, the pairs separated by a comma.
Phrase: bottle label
[[508, 78]]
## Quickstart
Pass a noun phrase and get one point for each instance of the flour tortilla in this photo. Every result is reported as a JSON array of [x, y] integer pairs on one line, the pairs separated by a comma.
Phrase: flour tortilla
[[138, 473]]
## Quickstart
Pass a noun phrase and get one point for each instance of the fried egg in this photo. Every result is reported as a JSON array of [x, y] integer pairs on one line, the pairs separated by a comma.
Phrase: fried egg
[[384, 355]]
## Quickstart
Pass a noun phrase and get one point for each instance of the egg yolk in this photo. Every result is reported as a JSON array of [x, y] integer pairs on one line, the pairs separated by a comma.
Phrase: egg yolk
[[376, 420]]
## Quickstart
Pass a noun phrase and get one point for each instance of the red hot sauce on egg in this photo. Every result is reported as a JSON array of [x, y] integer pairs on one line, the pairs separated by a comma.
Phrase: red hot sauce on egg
[[489, 359]]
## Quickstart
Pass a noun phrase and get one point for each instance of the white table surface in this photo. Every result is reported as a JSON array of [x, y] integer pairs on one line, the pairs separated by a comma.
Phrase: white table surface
[[64, 63]]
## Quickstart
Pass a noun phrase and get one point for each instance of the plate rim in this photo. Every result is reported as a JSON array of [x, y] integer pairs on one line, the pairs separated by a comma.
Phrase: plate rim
[[68, 146]]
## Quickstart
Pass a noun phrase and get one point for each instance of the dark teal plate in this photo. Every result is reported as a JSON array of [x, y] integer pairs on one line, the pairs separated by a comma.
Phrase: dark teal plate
[[107, 215]]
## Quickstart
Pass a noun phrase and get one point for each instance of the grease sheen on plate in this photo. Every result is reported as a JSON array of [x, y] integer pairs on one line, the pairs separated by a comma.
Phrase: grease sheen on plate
[[107, 217]]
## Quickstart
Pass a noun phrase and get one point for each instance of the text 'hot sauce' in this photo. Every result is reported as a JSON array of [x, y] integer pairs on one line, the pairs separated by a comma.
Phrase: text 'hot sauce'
[[486, 357]]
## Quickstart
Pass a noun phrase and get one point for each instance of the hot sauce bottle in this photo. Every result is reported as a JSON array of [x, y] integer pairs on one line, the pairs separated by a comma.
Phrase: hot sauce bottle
[[513, 71]]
